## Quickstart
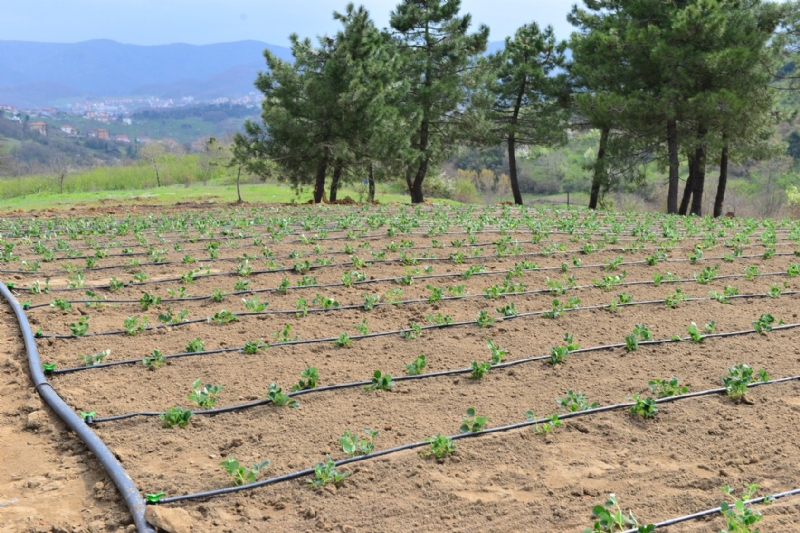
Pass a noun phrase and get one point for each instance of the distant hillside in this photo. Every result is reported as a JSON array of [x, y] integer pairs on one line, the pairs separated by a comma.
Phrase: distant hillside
[[40, 74]]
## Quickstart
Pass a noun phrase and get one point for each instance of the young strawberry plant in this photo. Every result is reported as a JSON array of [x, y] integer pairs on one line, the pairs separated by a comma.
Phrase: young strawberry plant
[[62, 304], [380, 382], [472, 423], [610, 518], [441, 447], [95, 358], [217, 295], [479, 369], [764, 323], [285, 334], [242, 475], [544, 427], [254, 305], [344, 341], [149, 300], [674, 299], [751, 271], [439, 319], [644, 407], [575, 401], [662, 388], [694, 333], [175, 416], [738, 378], [507, 310], [417, 366], [414, 332], [195, 345], [370, 300], [352, 445], [484, 320], [154, 361], [280, 399], [362, 327], [135, 325], [498, 354], [81, 327], [308, 379], [326, 473], [223, 317], [740, 517], [204, 395], [558, 354]]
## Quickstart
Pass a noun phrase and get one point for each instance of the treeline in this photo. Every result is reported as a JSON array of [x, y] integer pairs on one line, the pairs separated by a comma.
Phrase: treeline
[[207, 112], [664, 83]]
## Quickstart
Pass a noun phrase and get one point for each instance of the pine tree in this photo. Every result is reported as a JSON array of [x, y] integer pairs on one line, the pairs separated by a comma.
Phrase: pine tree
[[529, 107], [439, 51]]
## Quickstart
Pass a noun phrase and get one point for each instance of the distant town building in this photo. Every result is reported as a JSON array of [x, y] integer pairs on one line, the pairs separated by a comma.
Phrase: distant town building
[[121, 138], [41, 127], [100, 134], [127, 121], [48, 112], [69, 130]]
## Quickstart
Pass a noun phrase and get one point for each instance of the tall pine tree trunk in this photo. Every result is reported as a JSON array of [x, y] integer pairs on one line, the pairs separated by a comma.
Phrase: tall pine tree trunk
[[512, 169], [337, 175], [687, 190], [719, 201], [599, 168], [371, 194], [700, 172], [674, 166], [319, 185]]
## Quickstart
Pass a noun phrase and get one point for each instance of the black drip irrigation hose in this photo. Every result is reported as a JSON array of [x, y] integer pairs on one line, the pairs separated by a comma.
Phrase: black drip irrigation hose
[[125, 486], [418, 300], [715, 510], [419, 444], [452, 372]]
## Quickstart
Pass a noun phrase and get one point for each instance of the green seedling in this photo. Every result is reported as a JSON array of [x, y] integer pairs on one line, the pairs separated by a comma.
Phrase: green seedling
[[362, 327], [775, 290], [739, 378], [326, 473], [479, 369], [114, 284], [662, 388], [154, 361], [242, 475], [95, 358], [472, 423], [279, 398], [794, 270], [180, 292], [252, 347], [631, 343], [380, 382], [223, 317], [558, 354], [498, 354], [751, 271], [370, 300], [764, 323], [324, 302], [204, 395], [507, 310], [285, 334], [344, 341], [417, 366], [643, 332], [62, 304], [414, 332], [441, 447], [308, 379], [149, 300], [575, 401], [740, 517], [674, 299], [694, 333], [134, 325], [439, 319], [195, 345], [484, 320], [624, 298], [611, 518], [253, 304], [707, 275], [352, 445], [544, 427], [81, 327], [302, 308], [457, 290], [175, 416], [644, 407]]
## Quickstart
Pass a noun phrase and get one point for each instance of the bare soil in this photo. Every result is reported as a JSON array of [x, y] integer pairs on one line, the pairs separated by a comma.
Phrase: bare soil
[[518, 480]]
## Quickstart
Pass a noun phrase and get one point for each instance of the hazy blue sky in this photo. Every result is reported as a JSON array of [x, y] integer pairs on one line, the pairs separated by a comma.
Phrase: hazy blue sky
[[150, 22]]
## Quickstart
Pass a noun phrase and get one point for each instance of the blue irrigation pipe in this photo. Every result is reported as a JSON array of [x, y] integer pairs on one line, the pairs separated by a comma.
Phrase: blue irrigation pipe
[[120, 478]]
